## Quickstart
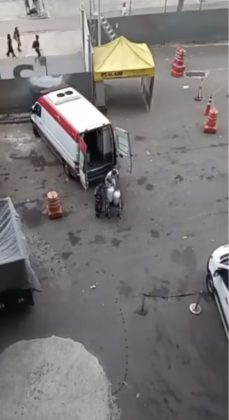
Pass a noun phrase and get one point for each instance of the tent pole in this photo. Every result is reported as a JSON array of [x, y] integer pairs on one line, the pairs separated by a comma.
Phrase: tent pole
[[90, 14], [99, 23]]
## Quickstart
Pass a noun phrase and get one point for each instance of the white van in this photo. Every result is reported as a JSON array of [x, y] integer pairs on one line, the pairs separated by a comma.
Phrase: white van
[[79, 134]]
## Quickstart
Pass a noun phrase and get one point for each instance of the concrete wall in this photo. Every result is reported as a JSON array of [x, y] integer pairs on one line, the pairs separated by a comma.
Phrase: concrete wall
[[189, 26], [23, 81], [17, 95]]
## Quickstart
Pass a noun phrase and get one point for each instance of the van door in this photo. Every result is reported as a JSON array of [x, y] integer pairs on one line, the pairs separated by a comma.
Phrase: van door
[[123, 146], [83, 163], [221, 282]]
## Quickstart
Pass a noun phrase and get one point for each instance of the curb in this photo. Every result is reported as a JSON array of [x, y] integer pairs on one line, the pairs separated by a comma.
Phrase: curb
[[14, 118]]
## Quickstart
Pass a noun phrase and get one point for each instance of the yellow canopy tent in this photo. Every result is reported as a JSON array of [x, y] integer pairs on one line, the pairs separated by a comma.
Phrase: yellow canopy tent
[[121, 59]]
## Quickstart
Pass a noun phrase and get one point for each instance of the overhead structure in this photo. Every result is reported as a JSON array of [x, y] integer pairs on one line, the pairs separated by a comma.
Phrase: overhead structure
[[122, 58]]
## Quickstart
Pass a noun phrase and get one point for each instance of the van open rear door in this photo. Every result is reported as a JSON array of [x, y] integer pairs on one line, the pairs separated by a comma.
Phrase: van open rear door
[[123, 146], [83, 163]]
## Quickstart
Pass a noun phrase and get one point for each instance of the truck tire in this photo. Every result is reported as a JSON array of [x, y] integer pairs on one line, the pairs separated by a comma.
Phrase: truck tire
[[35, 131], [210, 284], [68, 171]]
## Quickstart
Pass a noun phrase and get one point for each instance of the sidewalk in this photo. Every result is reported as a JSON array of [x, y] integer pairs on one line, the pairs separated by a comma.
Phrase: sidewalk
[[15, 9], [52, 43], [58, 35], [33, 25]]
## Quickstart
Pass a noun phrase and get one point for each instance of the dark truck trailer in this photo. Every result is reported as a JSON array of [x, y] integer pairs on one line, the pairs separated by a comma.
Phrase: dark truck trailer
[[18, 281]]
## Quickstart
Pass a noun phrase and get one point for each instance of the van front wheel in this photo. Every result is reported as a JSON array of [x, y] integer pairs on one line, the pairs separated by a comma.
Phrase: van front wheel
[[68, 171], [35, 131]]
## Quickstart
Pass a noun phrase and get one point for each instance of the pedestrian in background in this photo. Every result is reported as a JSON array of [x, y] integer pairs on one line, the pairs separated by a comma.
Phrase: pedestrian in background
[[35, 5], [124, 11], [10, 49], [17, 38], [36, 45], [27, 7]]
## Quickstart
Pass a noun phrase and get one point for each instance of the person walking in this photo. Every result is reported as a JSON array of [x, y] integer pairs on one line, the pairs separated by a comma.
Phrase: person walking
[[124, 10], [36, 6], [27, 7], [17, 38], [36, 46], [10, 49]]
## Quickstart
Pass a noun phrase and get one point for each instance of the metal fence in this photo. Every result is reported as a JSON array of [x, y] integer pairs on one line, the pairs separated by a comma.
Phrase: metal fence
[[161, 28], [87, 48], [117, 8]]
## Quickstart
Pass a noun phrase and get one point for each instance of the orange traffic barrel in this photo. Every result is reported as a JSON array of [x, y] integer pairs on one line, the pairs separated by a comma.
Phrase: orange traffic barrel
[[55, 209], [178, 64], [210, 127]]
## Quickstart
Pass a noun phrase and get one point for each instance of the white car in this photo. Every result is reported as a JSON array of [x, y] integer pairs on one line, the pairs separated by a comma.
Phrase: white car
[[217, 281]]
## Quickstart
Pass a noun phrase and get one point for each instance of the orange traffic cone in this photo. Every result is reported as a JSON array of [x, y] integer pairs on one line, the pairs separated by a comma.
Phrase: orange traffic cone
[[210, 127], [55, 209], [178, 64], [209, 105]]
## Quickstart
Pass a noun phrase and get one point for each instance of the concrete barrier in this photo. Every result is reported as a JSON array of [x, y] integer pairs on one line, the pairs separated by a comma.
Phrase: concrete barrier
[[188, 26]]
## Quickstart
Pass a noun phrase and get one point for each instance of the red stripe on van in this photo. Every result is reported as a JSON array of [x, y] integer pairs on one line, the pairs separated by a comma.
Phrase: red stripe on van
[[62, 121]]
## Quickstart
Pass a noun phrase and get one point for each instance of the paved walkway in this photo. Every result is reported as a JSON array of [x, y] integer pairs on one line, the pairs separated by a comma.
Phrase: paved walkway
[[58, 36], [52, 43]]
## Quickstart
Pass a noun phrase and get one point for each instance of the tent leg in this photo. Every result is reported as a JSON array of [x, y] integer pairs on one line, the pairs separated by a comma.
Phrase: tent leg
[[151, 86], [147, 84]]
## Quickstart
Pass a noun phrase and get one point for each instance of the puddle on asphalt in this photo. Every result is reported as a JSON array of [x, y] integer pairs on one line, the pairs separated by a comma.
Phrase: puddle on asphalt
[[155, 233], [186, 257], [73, 238], [115, 242], [142, 180], [149, 187], [31, 213], [66, 255]]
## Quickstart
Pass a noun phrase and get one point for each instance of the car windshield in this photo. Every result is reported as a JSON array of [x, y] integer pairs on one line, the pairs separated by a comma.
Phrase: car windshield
[[223, 273], [225, 259]]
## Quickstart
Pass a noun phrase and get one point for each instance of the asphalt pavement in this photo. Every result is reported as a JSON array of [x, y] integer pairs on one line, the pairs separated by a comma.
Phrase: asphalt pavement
[[168, 364]]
